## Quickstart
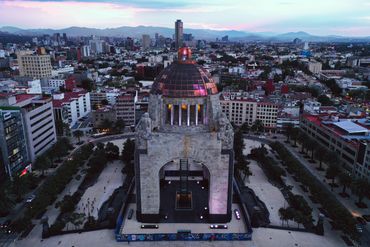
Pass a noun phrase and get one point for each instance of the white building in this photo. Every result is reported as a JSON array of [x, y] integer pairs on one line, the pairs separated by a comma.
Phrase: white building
[[314, 67], [38, 118], [34, 87], [56, 83], [241, 110], [311, 106], [69, 107]]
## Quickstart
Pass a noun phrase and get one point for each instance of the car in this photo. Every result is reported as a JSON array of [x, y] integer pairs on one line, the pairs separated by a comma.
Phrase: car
[[149, 226], [218, 226], [361, 220], [359, 228], [5, 224], [30, 198], [237, 214], [130, 213]]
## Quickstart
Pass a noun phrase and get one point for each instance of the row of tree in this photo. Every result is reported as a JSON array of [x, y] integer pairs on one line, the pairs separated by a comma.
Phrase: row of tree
[[53, 186], [335, 168], [241, 165], [298, 211], [336, 211]]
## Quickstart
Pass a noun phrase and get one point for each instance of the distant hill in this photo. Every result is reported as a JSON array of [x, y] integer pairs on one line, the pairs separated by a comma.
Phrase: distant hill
[[208, 34], [6, 37]]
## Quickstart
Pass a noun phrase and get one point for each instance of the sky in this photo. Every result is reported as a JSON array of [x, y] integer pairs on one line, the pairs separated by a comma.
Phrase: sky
[[320, 17]]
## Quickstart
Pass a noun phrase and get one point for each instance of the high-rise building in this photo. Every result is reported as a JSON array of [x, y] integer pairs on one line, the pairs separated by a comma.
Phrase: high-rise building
[[146, 41], [38, 119], [85, 51], [13, 148], [34, 66], [27, 129], [125, 108], [179, 31]]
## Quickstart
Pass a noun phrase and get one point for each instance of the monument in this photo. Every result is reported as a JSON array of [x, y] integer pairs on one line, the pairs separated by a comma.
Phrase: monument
[[184, 149]]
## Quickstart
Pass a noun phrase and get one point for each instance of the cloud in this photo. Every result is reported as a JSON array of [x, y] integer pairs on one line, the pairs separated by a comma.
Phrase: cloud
[[249, 15]]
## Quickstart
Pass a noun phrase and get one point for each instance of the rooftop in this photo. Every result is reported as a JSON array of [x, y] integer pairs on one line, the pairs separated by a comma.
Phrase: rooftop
[[351, 127]]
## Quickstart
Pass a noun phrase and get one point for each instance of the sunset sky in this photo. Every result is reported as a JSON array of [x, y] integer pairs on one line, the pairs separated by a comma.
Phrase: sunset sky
[[320, 17]]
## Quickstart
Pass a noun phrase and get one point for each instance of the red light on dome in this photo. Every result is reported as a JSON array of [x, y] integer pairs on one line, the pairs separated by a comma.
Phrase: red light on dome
[[184, 55]]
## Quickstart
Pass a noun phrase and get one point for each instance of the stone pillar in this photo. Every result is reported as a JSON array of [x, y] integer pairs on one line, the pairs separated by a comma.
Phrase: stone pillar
[[196, 114], [180, 112], [204, 115], [172, 113], [188, 117]]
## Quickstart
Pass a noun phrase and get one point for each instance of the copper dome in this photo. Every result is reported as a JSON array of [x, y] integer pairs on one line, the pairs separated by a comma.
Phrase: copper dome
[[184, 78]]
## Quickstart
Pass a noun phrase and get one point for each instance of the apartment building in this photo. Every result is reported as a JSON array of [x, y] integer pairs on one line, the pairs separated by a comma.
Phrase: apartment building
[[125, 108], [349, 138], [241, 110], [13, 148], [69, 107], [38, 120], [34, 66]]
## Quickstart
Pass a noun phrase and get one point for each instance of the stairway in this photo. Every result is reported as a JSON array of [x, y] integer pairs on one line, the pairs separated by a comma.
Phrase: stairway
[[184, 173]]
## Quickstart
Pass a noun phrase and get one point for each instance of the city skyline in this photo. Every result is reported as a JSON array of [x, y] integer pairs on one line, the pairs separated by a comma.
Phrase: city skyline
[[348, 18]]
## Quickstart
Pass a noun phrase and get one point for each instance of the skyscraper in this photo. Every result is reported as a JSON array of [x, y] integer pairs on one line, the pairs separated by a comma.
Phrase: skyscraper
[[179, 30], [146, 41]]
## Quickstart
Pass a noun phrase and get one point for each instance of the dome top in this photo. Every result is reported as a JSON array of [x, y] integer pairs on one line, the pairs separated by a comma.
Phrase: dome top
[[184, 78]]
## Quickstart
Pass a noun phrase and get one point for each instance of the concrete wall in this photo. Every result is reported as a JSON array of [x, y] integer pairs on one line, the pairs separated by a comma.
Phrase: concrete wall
[[164, 147]]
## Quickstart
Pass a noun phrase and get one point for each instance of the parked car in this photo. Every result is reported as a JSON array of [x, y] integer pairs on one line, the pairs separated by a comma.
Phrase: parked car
[[361, 220], [130, 213], [218, 226], [237, 214], [30, 198], [5, 224]]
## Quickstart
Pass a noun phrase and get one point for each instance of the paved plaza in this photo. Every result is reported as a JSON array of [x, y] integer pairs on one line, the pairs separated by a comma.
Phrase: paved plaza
[[110, 179]]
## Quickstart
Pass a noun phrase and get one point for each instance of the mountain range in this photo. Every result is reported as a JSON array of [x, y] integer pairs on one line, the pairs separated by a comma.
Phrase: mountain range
[[207, 34]]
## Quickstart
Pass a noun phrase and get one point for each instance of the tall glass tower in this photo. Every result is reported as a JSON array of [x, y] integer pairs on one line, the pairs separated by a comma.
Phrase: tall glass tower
[[179, 31]]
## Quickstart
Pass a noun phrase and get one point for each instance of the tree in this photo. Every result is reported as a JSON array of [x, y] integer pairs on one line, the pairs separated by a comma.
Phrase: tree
[[288, 131], [87, 84], [360, 188], [298, 217], [106, 124], [42, 163], [286, 214], [311, 145], [295, 136], [345, 180], [324, 100], [332, 172], [128, 155], [119, 125], [111, 151], [104, 102], [302, 138], [19, 187], [78, 134], [320, 153], [245, 127], [61, 127], [257, 126], [243, 167], [6, 203], [283, 214]]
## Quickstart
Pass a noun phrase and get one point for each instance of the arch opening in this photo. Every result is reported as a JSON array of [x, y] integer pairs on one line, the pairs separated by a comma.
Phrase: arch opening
[[184, 191]]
